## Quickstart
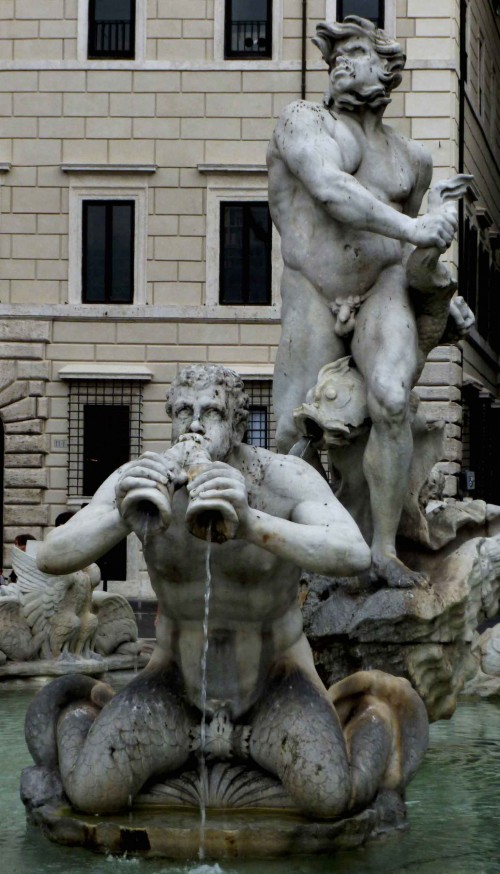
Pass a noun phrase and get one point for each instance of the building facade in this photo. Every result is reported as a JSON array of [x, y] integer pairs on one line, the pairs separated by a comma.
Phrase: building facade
[[135, 234]]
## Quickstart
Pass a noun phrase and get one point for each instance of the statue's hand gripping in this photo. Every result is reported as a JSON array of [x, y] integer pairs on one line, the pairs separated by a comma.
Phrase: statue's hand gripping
[[144, 492], [221, 486]]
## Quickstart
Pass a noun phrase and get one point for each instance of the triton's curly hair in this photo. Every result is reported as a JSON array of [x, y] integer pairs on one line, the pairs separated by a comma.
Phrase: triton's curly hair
[[202, 375], [328, 34]]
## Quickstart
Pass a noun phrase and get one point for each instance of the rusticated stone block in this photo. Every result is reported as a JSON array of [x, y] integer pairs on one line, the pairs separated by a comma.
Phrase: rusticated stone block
[[33, 426], [23, 516], [21, 350], [438, 392], [450, 412], [26, 443], [42, 408], [24, 460], [25, 479], [34, 370], [24, 330], [22, 496], [36, 388], [16, 391], [441, 373], [446, 353], [452, 449], [19, 410], [8, 373]]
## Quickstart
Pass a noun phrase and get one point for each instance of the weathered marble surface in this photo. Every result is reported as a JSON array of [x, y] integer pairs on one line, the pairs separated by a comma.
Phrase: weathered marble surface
[[424, 634], [263, 707]]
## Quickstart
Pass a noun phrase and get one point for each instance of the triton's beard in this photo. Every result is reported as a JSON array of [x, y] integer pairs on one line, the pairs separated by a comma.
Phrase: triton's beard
[[372, 97]]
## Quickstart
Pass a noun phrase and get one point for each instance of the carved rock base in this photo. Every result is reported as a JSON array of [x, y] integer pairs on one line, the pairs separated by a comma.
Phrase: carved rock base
[[423, 634]]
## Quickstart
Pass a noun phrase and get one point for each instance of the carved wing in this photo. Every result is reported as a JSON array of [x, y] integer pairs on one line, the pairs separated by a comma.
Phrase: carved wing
[[41, 594], [116, 620], [15, 634]]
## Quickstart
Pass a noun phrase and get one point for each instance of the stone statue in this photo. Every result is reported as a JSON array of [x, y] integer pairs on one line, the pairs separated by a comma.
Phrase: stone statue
[[46, 616], [344, 192], [258, 518]]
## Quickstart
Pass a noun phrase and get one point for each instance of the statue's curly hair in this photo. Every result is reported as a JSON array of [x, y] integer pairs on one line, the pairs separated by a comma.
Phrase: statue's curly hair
[[202, 375], [329, 34]]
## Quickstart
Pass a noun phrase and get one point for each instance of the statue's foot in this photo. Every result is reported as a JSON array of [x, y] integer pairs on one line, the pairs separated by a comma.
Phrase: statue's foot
[[397, 576]]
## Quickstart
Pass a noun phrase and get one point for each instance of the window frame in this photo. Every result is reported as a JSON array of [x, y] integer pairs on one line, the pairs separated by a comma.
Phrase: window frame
[[245, 204], [111, 55], [115, 63], [100, 190], [108, 260], [226, 189], [252, 62], [389, 14], [381, 15], [230, 55]]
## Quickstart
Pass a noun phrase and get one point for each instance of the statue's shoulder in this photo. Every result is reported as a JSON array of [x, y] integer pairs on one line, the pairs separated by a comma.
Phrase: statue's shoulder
[[416, 151], [304, 115]]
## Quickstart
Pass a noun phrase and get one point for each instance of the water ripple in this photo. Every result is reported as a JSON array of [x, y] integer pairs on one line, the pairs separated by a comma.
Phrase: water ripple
[[454, 810]]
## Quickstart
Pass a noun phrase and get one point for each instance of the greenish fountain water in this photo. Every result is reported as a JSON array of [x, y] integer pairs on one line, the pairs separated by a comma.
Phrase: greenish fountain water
[[453, 806]]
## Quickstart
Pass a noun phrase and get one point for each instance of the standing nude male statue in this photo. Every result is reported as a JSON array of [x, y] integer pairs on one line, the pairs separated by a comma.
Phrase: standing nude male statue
[[344, 192]]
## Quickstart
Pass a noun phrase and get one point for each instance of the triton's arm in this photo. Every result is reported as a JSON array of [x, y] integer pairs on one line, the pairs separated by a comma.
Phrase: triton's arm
[[305, 140]]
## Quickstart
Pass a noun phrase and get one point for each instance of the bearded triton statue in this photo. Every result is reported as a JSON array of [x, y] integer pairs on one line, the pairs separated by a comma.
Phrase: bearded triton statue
[[362, 273]]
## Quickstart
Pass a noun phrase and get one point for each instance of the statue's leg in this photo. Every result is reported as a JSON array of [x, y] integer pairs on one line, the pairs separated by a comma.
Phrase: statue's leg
[[106, 756], [296, 735], [385, 350], [307, 343]]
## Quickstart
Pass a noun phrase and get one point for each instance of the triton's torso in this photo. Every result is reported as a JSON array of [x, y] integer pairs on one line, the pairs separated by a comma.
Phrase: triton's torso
[[253, 610], [336, 259]]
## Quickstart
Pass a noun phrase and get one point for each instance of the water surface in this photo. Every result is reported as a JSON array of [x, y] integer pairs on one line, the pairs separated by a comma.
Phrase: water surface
[[453, 806]]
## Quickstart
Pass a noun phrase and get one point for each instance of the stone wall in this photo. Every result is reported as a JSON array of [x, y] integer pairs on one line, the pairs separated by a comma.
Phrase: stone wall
[[24, 373]]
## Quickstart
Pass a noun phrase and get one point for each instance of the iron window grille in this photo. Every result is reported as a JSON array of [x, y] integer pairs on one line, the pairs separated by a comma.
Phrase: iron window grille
[[111, 29], [95, 447], [248, 29], [372, 9], [261, 427], [108, 233], [245, 253]]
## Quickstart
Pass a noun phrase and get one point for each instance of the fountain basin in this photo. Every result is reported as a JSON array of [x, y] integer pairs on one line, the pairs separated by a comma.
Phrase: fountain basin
[[175, 833]]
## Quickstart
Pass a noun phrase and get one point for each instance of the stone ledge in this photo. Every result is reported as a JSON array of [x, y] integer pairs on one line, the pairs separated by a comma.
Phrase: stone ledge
[[109, 168]]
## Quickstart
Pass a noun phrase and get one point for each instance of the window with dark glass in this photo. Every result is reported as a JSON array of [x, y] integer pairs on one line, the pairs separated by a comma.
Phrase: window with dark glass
[[111, 29], [105, 431], [248, 29], [261, 425], [371, 9], [245, 253], [108, 251]]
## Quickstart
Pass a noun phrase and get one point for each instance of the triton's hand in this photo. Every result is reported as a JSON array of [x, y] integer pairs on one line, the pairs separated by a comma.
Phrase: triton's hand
[[144, 490], [220, 481], [436, 228]]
